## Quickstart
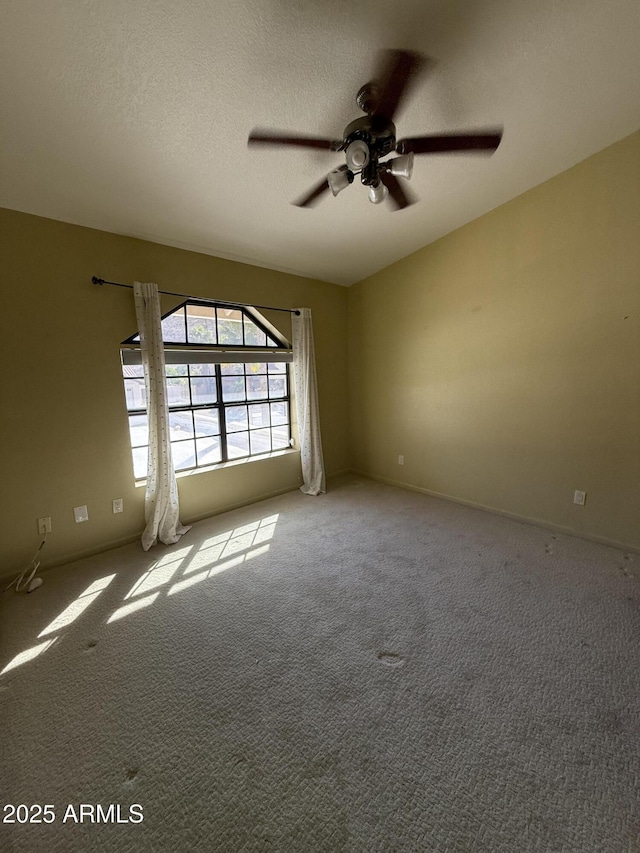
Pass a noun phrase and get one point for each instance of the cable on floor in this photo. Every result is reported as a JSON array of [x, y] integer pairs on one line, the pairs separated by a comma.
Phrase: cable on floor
[[24, 579]]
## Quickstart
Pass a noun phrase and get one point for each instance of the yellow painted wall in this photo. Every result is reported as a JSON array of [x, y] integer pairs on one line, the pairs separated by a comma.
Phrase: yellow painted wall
[[64, 432], [503, 360]]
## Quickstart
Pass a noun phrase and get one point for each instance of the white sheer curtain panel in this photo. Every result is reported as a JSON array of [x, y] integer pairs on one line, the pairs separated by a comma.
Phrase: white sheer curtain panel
[[161, 508], [306, 386]]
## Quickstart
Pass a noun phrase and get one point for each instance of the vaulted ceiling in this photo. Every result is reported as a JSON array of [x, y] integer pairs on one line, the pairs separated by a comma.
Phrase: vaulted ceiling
[[134, 117]]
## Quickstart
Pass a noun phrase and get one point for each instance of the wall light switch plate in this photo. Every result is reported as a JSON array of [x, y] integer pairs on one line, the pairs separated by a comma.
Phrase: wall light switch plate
[[401, 460], [118, 505], [579, 497], [81, 513]]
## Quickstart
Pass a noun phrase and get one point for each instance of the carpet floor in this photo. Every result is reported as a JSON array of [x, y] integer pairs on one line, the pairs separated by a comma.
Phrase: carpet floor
[[371, 670]]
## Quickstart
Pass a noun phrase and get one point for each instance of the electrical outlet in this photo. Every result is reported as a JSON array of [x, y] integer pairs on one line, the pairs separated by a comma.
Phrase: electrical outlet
[[81, 513], [118, 505], [400, 460], [44, 525], [579, 497]]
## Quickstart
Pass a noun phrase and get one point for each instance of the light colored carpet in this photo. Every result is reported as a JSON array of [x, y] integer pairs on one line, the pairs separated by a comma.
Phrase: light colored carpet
[[369, 670]]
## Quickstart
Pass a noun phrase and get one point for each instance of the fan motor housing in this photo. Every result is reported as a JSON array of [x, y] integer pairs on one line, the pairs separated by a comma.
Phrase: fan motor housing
[[378, 133]]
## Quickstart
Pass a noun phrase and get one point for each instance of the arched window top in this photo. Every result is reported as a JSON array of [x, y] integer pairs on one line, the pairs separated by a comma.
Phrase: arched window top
[[216, 324]]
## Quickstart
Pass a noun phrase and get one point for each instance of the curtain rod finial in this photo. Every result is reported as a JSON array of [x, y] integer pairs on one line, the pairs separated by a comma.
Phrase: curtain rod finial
[[96, 280]]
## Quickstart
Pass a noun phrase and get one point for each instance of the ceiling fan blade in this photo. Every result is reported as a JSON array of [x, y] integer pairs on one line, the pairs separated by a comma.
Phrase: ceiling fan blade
[[313, 195], [275, 137], [397, 194], [397, 69], [448, 142]]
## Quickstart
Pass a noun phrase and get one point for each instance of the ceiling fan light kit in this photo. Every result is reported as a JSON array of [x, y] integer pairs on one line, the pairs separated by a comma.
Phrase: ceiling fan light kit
[[371, 138]]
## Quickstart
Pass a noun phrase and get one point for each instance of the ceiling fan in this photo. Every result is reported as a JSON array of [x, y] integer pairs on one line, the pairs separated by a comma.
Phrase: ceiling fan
[[367, 140]]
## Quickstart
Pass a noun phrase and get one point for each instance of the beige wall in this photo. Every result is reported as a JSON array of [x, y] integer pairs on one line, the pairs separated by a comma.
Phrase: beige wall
[[63, 431], [503, 360]]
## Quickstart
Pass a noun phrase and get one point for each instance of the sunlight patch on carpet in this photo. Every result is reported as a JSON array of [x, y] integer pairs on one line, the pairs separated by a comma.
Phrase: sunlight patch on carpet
[[159, 573], [71, 613], [28, 654], [217, 569], [226, 545], [215, 555], [138, 604]]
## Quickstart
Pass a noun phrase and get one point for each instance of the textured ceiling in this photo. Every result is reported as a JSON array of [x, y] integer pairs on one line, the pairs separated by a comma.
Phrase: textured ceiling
[[134, 117]]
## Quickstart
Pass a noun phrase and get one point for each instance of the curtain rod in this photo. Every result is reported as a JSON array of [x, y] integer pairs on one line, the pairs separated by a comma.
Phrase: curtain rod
[[96, 280]]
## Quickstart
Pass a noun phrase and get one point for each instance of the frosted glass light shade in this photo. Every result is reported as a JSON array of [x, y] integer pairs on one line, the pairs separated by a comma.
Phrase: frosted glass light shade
[[401, 167], [338, 180], [357, 155], [378, 194]]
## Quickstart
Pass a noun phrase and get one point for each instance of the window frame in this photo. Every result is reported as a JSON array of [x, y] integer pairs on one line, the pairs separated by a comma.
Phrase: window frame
[[277, 351]]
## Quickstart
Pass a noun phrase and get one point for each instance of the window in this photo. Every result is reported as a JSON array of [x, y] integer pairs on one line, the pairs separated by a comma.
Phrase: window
[[227, 386]]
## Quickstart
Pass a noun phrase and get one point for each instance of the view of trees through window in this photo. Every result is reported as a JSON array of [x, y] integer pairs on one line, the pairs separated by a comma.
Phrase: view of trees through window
[[217, 411]]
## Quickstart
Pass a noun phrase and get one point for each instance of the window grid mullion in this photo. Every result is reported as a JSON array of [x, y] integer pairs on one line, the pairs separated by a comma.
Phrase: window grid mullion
[[221, 413], [189, 380]]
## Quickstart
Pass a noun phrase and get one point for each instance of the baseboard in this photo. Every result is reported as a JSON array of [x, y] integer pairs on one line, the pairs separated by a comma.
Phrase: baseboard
[[341, 473], [547, 525], [77, 555], [240, 504], [135, 537], [538, 522], [74, 557]]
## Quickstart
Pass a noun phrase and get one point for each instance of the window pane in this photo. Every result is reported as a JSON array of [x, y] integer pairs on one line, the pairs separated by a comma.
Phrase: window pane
[[201, 324], [135, 394], [280, 437], [175, 369], [229, 326], [257, 388], [279, 413], [260, 440], [173, 329], [258, 415], [277, 367], [202, 370], [277, 386], [251, 369], [178, 392], [180, 425], [233, 368], [208, 450], [253, 336], [238, 444], [203, 389], [233, 388], [184, 454], [271, 342], [140, 455], [130, 371], [138, 430], [236, 418], [207, 422]]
